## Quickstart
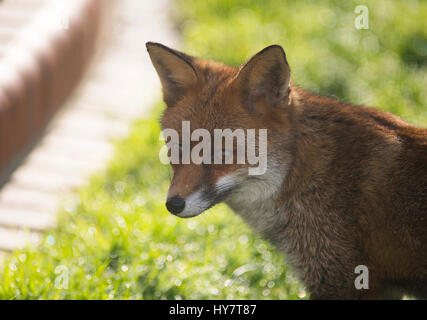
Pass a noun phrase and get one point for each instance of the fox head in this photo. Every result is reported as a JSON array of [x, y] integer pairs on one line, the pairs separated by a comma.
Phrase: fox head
[[211, 96]]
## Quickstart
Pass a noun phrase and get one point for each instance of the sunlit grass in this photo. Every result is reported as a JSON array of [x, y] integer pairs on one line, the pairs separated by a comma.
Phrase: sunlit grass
[[115, 240]]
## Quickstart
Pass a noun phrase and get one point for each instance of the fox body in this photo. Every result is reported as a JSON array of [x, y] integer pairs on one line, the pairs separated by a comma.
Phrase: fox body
[[344, 186]]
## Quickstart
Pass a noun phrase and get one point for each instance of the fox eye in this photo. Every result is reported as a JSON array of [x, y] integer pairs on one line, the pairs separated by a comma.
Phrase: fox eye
[[226, 153], [221, 156], [180, 151], [175, 153]]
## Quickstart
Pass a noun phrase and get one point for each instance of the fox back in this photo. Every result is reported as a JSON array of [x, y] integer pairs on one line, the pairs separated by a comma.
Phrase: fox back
[[343, 186]]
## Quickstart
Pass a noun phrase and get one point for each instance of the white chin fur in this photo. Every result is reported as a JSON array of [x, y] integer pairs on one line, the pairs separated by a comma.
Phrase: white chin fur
[[251, 190], [250, 193], [195, 204]]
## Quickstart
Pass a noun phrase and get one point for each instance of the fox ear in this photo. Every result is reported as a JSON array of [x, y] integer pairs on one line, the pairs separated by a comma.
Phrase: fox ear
[[266, 76], [175, 69]]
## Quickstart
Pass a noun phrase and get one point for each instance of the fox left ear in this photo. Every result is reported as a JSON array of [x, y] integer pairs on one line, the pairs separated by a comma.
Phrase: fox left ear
[[175, 69], [266, 76]]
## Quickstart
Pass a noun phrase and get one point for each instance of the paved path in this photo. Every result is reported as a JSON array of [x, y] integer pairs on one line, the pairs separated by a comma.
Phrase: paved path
[[120, 86]]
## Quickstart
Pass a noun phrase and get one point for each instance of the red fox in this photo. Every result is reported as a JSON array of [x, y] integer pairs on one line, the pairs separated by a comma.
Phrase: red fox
[[345, 186]]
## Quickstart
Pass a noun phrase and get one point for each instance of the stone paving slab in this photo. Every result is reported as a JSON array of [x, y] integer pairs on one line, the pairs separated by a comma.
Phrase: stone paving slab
[[11, 239], [26, 219]]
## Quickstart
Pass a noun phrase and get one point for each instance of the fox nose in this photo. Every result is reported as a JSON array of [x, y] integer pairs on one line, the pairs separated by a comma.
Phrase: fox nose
[[175, 205]]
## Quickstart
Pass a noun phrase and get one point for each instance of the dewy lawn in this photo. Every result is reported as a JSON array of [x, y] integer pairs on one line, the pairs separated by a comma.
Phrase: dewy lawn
[[115, 240]]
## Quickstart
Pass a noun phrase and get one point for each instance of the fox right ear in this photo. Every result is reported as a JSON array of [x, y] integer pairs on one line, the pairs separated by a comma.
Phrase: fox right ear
[[266, 76], [175, 69]]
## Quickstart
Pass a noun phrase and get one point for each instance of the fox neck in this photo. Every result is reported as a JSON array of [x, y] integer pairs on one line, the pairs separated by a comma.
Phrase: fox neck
[[264, 202], [255, 199]]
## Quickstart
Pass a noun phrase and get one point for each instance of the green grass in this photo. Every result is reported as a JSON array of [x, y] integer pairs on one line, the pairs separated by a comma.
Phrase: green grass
[[115, 240]]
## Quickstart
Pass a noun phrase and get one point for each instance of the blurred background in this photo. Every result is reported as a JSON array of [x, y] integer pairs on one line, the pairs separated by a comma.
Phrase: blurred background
[[82, 212]]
